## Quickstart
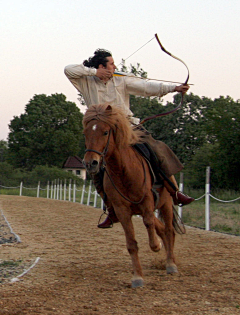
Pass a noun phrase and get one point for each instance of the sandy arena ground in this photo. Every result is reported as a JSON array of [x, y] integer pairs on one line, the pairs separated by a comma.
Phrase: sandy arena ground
[[85, 270]]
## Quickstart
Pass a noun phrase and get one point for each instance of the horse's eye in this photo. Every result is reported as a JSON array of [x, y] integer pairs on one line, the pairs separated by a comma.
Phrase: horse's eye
[[105, 133]]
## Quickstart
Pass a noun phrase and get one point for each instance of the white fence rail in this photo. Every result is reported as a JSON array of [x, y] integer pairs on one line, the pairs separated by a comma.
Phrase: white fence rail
[[207, 196], [59, 191]]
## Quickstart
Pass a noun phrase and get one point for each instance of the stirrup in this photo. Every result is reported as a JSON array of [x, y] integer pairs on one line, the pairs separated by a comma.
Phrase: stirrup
[[110, 225], [104, 213]]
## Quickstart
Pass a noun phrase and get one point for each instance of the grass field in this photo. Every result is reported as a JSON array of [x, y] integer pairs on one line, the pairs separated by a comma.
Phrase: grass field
[[224, 217]]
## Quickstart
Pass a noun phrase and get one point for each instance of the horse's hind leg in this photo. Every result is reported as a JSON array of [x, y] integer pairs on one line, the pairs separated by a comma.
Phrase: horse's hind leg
[[132, 247], [169, 237]]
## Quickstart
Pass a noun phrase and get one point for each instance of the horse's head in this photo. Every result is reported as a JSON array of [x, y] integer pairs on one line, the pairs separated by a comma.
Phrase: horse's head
[[105, 127], [97, 141]]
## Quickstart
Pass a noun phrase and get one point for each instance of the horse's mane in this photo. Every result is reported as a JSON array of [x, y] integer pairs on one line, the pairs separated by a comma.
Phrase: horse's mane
[[123, 132]]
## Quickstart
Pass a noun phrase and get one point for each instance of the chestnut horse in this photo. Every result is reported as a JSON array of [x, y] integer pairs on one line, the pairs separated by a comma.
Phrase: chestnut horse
[[128, 182]]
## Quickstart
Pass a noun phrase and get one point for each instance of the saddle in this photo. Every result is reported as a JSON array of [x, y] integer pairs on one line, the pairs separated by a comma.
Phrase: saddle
[[149, 155], [146, 152]]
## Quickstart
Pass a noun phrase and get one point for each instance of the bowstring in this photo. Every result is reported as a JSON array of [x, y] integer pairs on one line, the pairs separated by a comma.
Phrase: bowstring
[[136, 51]]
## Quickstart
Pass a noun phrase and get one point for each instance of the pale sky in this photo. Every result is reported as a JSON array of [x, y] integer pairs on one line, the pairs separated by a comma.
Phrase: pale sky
[[40, 37]]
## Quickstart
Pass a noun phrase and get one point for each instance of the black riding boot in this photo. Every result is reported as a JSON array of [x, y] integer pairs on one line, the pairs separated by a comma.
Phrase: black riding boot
[[111, 217]]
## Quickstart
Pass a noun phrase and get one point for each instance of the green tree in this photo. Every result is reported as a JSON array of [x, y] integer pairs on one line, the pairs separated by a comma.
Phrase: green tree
[[3, 150], [223, 129], [185, 127], [183, 131], [6, 171], [222, 144], [46, 134]]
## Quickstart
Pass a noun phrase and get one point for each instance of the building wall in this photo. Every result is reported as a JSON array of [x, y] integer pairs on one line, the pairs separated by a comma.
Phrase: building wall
[[82, 174]]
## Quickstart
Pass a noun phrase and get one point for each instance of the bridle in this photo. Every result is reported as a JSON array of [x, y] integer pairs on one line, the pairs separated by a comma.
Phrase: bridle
[[104, 152], [103, 162]]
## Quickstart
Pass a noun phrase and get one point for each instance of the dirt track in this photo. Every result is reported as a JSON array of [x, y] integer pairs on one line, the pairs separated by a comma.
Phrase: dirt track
[[85, 270]]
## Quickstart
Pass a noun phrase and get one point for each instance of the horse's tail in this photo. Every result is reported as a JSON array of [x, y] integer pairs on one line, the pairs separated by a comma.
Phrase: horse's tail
[[178, 223]]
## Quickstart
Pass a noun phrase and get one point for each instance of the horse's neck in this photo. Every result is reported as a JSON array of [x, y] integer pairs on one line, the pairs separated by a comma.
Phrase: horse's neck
[[116, 158], [121, 159]]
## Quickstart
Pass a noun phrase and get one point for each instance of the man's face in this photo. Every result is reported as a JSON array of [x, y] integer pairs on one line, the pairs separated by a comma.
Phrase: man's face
[[110, 64]]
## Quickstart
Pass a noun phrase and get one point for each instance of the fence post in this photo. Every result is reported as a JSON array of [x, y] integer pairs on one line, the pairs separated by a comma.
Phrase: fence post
[[89, 193], [58, 189], [69, 189], [95, 198], [65, 189], [74, 191], [83, 191], [38, 189], [48, 189], [207, 200], [55, 188], [52, 190], [180, 189], [20, 191]]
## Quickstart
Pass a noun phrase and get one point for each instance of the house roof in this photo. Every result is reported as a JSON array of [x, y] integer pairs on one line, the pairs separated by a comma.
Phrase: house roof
[[73, 162]]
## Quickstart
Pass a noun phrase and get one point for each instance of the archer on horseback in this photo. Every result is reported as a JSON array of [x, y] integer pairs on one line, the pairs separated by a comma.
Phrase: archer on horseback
[[95, 80]]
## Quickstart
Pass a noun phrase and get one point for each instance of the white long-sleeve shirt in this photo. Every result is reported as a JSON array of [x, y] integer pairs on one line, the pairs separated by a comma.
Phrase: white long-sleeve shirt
[[115, 91]]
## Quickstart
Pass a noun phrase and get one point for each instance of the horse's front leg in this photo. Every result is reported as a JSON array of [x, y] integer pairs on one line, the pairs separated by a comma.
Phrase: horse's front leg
[[132, 247], [149, 222]]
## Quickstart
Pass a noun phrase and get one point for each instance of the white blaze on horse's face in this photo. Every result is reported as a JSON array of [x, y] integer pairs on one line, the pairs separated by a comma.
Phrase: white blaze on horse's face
[[94, 127]]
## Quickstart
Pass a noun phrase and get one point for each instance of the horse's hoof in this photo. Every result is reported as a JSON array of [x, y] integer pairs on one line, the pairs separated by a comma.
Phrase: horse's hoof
[[138, 282], [158, 247], [172, 269]]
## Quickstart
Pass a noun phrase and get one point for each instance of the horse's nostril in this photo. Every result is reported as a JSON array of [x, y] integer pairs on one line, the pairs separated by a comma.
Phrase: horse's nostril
[[91, 165], [94, 163]]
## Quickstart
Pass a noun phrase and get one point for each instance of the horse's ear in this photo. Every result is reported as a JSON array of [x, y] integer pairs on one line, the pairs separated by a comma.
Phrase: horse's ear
[[109, 107]]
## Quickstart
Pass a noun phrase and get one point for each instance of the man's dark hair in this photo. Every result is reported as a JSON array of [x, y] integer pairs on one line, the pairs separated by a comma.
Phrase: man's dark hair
[[99, 58]]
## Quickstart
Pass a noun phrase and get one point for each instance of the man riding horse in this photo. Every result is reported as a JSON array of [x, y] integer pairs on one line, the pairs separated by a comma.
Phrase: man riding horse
[[95, 80]]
